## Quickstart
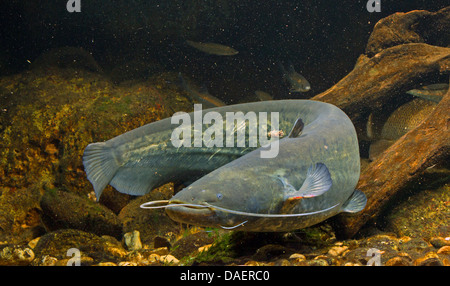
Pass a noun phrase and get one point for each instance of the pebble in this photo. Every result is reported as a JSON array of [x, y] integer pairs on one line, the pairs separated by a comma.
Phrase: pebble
[[106, 264], [430, 259], [48, 260], [204, 248], [439, 242], [444, 250], [169, 259], [16, 255], [398, 261], [337, 250], [133, 240]]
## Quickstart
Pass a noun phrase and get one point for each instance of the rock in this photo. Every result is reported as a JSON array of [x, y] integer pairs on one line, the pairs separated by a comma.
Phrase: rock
[[66, 57], [439, 242], [19, 214], [204, 247], [189, 245], [422, 214], [62, 210], [160, 241], [270, 251], [15, 255], [337, 250], [132, 240], [150, 223], [318, 262], [58, 113], [127, 263], [106, 264], [56, 244], [398, 261], [169, 259], [444, 250], [430, 259]]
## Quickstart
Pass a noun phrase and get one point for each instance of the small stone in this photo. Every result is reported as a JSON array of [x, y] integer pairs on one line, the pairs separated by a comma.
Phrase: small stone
[[398, 261], [161, 251], [153, 257], [33, 243], [337, 250], [106, 264], [318, 262], [169, 259], [127, 263], [297, 256], [352, 264], [439, 242], [84, 261], [48, 260], [160, 241], [430, 259], [444, 250], [252, 263], [133, 240], [16, 255], [204, 248]]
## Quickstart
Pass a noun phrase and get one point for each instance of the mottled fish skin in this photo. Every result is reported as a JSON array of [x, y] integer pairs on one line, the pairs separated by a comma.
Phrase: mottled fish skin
[[257, 186], [213, 48], [144, 158]]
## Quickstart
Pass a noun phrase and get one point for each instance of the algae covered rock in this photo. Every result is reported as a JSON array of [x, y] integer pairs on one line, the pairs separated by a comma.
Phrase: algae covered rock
[[150, 223], [62, 210], [58, 244]]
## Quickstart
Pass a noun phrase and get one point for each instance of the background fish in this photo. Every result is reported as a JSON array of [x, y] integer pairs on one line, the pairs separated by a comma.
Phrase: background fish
[[401, 121], [263, 96], [433, 92], [213, 48], [297, 81], [200, 95]]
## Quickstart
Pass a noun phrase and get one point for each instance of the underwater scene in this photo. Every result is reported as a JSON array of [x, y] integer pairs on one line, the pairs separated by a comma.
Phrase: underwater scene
[[225, 133]]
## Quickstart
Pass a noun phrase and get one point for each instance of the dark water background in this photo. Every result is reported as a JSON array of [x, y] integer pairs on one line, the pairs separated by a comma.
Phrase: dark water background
[[322, 39]]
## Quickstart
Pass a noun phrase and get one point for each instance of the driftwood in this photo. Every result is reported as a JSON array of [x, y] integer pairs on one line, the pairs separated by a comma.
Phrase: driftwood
[[403, 162], [378, 81], [375, 83]]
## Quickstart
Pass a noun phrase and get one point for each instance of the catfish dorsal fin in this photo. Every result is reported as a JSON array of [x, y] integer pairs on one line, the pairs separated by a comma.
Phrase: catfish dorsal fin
[[297, 128]]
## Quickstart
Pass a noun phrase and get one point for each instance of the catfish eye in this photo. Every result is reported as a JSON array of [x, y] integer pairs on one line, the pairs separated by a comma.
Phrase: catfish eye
[[219, 196]]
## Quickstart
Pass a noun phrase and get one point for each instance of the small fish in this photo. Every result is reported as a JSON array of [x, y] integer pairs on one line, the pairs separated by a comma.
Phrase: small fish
[[213, 48], [433, 92], [263, 96], [297, 81], [313, 178], [201, 95], [405, 118]]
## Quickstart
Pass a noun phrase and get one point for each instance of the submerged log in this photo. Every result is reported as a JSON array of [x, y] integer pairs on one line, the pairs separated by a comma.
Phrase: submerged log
[[375, 84], [403, 162]]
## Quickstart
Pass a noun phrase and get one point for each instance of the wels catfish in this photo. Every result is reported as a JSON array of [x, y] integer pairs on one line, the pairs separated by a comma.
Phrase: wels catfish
[[313, 178]]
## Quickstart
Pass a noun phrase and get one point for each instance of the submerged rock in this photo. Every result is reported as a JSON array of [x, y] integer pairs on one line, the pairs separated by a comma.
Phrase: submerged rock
[[57, 244], [62, 210]]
